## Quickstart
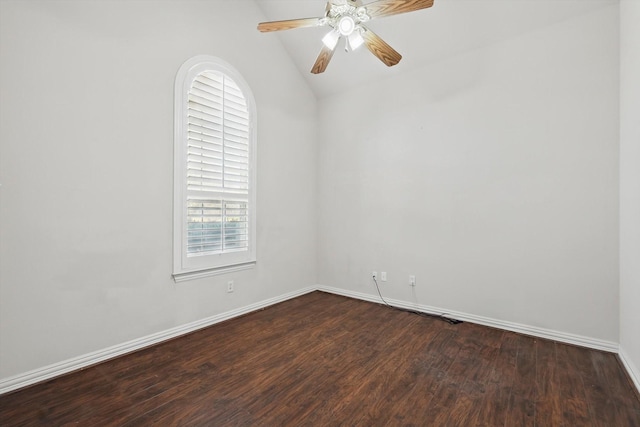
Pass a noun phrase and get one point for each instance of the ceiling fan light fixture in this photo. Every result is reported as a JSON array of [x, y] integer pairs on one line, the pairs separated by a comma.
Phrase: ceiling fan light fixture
[[330, 40], [347, 18]]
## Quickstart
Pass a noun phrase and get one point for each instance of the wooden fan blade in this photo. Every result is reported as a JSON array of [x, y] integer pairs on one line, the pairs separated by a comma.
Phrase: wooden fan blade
[[381, 8], [288, 24], [380, 48], [323, 60], [327, 9]]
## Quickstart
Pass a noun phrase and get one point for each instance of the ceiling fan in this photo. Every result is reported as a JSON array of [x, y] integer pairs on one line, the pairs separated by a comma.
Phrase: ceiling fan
[[347, 18]]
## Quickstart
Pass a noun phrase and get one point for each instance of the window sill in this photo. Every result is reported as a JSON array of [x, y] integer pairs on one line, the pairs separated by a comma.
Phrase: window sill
[[199, 274]]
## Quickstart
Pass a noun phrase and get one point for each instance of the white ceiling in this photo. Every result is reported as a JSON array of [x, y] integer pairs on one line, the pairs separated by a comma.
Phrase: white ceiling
[[422, 37]]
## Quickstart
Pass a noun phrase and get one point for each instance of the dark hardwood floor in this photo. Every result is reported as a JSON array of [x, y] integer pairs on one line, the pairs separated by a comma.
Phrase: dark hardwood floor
[[324, 360]]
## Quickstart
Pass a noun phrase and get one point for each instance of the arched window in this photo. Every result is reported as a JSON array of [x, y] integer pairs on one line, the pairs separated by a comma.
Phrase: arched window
[[214, 170]]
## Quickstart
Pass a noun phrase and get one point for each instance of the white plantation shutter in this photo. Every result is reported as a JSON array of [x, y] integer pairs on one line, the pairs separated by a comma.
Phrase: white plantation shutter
[[217, 165], [216, 153]]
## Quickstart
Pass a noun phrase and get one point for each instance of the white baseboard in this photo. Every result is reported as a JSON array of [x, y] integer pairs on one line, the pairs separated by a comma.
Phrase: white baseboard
[[76, 363], [632, 369], [486, 321]]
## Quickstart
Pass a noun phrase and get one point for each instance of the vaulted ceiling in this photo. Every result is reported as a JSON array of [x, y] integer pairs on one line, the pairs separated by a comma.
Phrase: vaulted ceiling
[[422, 37]]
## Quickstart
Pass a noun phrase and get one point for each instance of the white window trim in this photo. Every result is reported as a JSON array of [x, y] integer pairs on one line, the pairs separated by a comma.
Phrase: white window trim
[[208, 265]]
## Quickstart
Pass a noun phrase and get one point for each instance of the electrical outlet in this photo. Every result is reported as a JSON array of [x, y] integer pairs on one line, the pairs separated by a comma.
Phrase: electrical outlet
[[412, 280], [374, 274], [230, 286], [383, 276]]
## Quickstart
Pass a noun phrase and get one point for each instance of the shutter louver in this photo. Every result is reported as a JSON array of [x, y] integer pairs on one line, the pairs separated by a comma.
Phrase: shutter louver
[[217, 166]]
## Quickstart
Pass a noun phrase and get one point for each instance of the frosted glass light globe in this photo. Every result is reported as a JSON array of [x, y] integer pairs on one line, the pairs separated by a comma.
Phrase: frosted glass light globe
[[346, 25]]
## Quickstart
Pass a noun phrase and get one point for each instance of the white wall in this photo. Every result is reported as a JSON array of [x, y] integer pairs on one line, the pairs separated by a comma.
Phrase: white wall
[[492, 176], [630, 185], [86, 171]]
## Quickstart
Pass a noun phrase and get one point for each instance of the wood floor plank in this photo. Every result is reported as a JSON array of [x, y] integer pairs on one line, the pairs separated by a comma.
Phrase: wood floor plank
[[497, 373], [573, 398], [549, 411], [327, 360]]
